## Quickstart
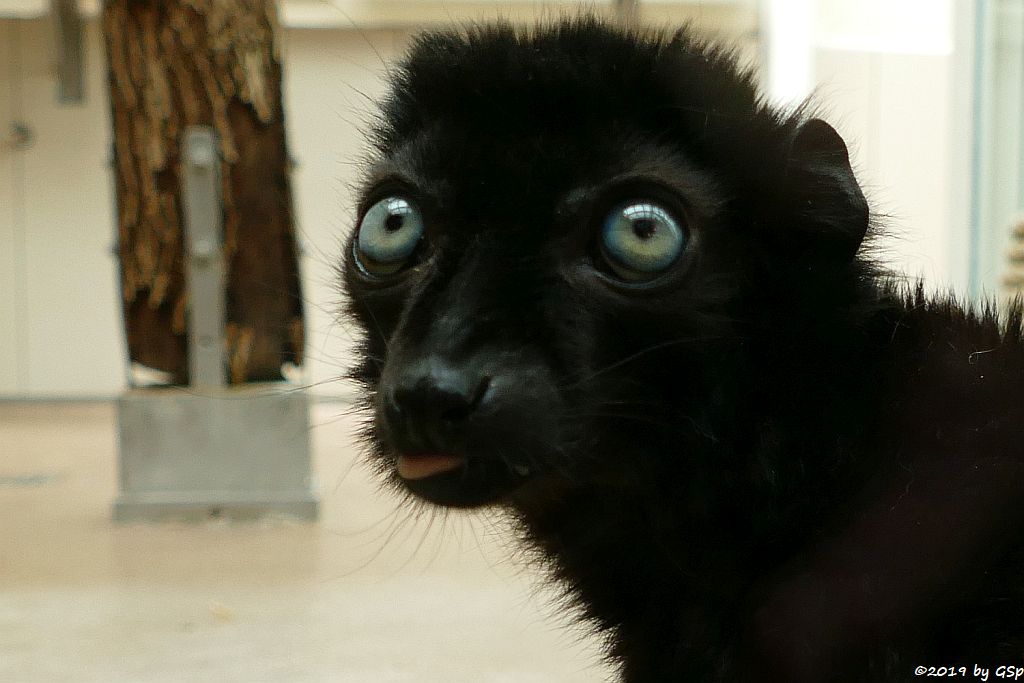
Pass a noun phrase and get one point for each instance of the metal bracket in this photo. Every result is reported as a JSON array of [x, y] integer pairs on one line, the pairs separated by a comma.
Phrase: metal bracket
[[70, 70], [19, 138], [204, 258]]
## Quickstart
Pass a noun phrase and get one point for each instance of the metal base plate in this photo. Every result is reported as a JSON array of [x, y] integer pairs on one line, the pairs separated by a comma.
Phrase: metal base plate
[[237, 453]]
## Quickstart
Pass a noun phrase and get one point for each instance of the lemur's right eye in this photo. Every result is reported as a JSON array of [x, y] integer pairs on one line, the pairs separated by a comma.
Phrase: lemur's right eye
[[640, 240], [388, 235]]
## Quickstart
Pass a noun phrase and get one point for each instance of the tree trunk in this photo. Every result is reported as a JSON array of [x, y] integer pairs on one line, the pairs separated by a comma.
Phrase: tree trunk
[[179, 63]]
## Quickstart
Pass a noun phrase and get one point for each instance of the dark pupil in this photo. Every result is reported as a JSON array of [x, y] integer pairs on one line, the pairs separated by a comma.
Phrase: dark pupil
[[394, 222], [643, 227]]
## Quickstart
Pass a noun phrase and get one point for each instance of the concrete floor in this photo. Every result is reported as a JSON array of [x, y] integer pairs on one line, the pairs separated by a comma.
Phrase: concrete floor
[[367, 595]]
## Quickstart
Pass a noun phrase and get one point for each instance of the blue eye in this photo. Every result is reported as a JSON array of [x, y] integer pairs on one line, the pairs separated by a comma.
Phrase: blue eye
[[388, 235], [640, 240]]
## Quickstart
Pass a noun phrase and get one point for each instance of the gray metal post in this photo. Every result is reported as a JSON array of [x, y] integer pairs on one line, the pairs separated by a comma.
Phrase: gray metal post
[[204, 261], [70, 62], [214, 450]]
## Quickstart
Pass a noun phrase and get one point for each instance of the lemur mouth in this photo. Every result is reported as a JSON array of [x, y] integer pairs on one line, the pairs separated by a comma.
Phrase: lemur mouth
[[459, 481], [423, 465]]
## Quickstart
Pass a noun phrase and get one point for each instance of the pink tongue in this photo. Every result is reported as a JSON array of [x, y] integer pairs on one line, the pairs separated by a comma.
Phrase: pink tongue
[[422, 466]]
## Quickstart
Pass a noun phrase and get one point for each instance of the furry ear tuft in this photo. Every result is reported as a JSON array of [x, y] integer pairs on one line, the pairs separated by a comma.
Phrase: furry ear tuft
[[823, 196]]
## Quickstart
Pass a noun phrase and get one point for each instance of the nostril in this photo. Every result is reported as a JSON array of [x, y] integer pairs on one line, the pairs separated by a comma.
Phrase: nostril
[[456, 407], [391, 404], [481, 391], [455, 413]]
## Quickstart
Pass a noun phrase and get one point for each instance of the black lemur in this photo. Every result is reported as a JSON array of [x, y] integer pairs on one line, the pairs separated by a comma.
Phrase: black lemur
[[608, 287]]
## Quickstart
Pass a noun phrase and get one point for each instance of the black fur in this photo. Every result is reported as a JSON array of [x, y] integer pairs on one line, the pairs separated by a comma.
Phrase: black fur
[[768, 464]]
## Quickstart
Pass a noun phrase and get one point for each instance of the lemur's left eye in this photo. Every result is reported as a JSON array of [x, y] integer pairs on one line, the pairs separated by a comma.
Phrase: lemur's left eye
[[388, 235], [640, 240]]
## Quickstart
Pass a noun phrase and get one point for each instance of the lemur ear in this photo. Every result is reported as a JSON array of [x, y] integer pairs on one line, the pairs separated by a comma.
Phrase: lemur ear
[[825, 201]]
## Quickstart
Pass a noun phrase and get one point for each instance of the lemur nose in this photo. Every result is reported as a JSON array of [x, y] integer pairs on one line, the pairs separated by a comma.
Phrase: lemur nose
[[434, 393]]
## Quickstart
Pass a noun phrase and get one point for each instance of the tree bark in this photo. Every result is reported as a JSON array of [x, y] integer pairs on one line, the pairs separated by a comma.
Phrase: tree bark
[[179, 63]]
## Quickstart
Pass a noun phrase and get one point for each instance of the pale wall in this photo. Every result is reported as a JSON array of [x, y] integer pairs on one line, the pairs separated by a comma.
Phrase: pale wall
[[62, 327], [894, 110], [890, 75]]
